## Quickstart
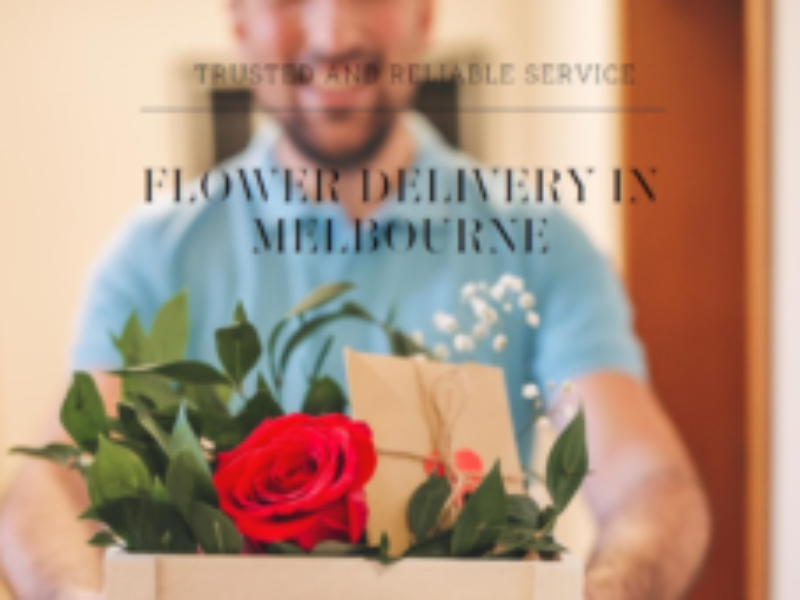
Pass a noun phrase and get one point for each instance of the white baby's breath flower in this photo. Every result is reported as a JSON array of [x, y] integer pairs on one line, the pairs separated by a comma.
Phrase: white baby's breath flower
[[478, 305], [499, 343], [469, 290], [418, 337], [513, 283], [542, 423], [527, 301], [445, 323], [480, 330], [463, 343], [483, 311], [441, 351], [530, 391], [498, 292], [533, 319], [507, 307]]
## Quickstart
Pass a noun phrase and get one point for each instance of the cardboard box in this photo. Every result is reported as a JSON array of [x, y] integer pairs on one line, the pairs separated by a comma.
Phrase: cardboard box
[[162, 577]]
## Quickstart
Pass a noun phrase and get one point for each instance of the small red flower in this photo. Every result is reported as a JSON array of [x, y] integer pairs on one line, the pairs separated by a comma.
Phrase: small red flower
[[299, 479], [467, 467]]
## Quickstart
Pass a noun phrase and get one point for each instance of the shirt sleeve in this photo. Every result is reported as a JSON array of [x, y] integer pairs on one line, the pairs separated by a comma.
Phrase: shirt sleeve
[[586, 318], [124, 279]]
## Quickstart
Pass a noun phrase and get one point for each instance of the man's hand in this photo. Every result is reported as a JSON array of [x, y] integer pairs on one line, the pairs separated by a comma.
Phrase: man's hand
[[43, 545], [652, 513]]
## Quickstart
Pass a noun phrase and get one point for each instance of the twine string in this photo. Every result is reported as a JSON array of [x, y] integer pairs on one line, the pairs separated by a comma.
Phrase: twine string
[[444, 401]]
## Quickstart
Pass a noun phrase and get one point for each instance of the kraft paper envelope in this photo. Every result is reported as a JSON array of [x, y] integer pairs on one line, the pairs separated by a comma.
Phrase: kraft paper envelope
[[394, 396]]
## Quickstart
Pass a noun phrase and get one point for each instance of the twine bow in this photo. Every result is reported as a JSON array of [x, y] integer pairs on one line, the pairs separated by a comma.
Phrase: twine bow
[[444, 401]]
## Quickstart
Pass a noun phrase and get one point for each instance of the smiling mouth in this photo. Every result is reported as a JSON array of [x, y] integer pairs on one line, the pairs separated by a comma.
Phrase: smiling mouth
[[339, 94]]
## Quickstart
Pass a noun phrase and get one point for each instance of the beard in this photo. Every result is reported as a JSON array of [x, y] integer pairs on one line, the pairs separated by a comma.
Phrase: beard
[[299, 127]]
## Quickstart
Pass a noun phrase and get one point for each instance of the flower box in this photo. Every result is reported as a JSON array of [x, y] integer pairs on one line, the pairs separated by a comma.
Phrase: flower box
[[169, 577]]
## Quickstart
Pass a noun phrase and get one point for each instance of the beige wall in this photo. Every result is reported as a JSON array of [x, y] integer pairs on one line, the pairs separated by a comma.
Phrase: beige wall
[[72, 151], [524, 31]]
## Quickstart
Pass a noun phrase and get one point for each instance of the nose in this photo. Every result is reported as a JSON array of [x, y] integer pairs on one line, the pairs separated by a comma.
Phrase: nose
[[332, 27]]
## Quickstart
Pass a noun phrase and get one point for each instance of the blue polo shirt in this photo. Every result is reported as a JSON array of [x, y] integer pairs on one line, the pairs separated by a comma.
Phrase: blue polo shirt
[[225, 249]]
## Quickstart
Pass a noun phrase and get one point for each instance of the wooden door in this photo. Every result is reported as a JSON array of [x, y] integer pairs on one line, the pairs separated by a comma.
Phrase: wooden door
[[686, 252]]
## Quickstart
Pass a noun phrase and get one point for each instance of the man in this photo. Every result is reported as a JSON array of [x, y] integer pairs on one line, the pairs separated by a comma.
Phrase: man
[[654, 523]]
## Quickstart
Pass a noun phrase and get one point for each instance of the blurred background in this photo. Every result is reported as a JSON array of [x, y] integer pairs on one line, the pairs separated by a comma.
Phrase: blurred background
[[713, 265]]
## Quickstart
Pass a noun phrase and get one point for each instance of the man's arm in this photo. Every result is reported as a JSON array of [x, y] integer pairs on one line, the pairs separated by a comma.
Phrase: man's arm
[[652, 512], [43, 545]]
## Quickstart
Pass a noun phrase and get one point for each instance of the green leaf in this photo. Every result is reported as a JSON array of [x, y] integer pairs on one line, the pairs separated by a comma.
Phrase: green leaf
[[403, 345], [188, 481], [239, 315], [437, 546], [548, 519], [183, 371], [208, 399], [262, 405], [516, 537], [483, 517], [323, 354], [426, 505], [154, 388], [334, 548], [262, 385], [184, 438], [309, 328], [159, 492], [519, 540], [148, 526], [103, 539], [568, 463], [188, 474], [383, 550], [284, 548], [390, 318], [116, 472], [83, 414], [355, 310], [149, 424], [272, 350], [169, 334], [305, 331], [319, 297], [62, 454], [547, 546], [128, 426], [133, 344], [523, 509], [214, 531], [239, 349], [324, 397]]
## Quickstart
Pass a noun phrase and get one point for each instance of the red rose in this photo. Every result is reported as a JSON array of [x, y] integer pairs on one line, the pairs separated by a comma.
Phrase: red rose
[[299, 479]]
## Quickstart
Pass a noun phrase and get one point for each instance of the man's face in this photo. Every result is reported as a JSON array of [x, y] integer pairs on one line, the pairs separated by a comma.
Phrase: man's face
[[335, 123]]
